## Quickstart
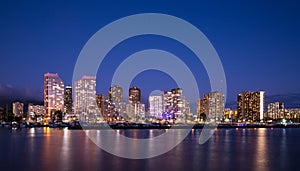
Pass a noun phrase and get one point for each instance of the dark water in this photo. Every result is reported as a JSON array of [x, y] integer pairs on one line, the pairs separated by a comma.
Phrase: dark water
[[229, 149]]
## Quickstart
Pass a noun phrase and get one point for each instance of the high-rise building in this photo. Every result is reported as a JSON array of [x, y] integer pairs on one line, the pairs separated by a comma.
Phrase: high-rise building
[[156, 106], [85, 99], [173, 104], [202, 107], [276, 110], [187, 115], [110, 113], [68, 100], [53, 94], [136, 111], [217, 105], [18, 109], [134, 95], [212, 105], [115, 97], [100, 98], [250, 106]]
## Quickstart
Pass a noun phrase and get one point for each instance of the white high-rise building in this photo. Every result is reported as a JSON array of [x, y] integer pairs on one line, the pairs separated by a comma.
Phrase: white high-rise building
[[187, 115], [115, 97], [173, 104], [85, 99], [155, 106], [53, 94], [136, 111], [18, 109]]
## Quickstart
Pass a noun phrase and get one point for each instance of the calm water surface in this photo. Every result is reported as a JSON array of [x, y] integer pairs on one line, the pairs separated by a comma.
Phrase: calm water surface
[[228, 149]]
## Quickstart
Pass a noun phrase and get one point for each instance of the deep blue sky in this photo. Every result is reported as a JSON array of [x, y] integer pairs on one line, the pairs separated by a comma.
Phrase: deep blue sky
[[257, 41]]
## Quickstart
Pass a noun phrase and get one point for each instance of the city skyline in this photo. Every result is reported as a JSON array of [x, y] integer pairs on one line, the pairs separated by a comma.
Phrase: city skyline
[[149, 85], [170, 105], [250, 106], [58, 87]]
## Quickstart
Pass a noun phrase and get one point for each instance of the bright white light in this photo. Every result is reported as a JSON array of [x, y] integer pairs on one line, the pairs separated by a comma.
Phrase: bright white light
[[261, 106]]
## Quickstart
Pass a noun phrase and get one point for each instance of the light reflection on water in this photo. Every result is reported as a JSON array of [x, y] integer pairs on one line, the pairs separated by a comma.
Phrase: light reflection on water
[[261, 152], [228, 149]]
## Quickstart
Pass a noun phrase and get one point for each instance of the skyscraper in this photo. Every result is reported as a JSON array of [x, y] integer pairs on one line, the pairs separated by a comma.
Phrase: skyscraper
[[68, 100], [187, 115], [173, 104], [134, 95], [115, 97], [53, 94], [251, 106], [18, 109], [156, 106], [202, 108], [110, 113], [115, 93], [135, 111], [212, 105], [85, 99]]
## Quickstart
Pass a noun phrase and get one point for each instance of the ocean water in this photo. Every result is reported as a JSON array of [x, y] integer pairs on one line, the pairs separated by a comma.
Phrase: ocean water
[[258, 149]]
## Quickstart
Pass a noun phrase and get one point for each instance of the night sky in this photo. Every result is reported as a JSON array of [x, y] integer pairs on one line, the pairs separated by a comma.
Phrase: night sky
[[258, 43]]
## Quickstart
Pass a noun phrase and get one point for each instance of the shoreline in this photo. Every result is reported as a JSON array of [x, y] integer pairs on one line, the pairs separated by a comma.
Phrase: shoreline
[[151, 126], [187, 127]]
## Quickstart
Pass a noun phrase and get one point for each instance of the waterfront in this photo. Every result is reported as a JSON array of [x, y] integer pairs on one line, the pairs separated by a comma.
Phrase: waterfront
[[228, 149]]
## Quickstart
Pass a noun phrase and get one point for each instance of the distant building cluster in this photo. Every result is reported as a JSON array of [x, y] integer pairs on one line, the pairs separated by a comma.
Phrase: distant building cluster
[[18, 109], [82, 102]]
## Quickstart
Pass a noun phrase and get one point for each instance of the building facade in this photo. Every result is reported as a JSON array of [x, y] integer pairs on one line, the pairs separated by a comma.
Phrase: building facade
[[250, 106], [101, 100], [187, 115], [202, 108], [211, 107], [136, 112], [276, 110], [68, 101], [173, 105], [155, 106], [85, 99], [115, 98], [37, 110], [53, 94], [35, 113], [230, 114], [18, 109], [293, 114], [134, 95]]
